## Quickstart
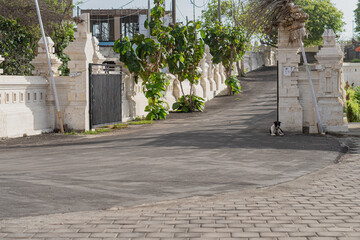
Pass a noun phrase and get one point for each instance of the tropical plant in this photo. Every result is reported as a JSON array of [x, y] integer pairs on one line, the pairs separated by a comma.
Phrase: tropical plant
[[146, 57], [230, 11], [62, 38], [227, 45], [353, 103], [184, 59], [234, 83], [357, 95], [183, 104], [17, 46]]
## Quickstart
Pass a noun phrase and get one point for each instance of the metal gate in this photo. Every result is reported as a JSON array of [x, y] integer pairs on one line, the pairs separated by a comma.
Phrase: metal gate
[[105, 94]]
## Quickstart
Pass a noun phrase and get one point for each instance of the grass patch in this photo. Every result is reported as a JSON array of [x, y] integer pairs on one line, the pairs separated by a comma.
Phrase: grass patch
[[140, 122], [112, 127], [70, 133], [355, 60], [90, 132], [135, 122], [120, 126], [97, 131]]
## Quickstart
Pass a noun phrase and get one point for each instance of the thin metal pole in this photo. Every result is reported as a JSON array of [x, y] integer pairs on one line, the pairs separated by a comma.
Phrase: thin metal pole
[[219, 10], [277, 92], [51, 72], [194, 10], [174, 11], [311, 85], [232, 12], [149, 17]]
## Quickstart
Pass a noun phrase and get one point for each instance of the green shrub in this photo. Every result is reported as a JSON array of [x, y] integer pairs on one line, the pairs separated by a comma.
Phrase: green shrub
[[355, 60], [234, 83], [189, 104], [157, 111], [353, 104], [17, 46]]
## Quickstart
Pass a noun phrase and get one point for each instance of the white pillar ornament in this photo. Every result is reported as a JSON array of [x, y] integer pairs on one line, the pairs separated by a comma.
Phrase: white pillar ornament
[[40, 61]]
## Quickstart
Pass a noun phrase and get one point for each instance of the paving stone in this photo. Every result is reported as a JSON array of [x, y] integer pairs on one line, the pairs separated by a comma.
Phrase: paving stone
[[325, 209]]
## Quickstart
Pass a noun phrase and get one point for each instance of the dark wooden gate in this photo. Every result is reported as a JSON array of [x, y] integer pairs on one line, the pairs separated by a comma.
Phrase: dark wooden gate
[[105, 94]]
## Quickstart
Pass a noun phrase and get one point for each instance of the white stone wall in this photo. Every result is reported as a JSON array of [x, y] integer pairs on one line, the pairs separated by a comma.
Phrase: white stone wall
[[134, 100], [352, 73], [27, 104], [254, 60], [23, 106]]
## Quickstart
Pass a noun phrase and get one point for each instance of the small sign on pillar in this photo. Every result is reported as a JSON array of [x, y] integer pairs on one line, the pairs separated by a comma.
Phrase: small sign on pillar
[[288, 71]]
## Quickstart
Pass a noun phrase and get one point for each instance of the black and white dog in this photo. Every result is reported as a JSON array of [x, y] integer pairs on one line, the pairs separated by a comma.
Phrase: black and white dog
[[275, 129]]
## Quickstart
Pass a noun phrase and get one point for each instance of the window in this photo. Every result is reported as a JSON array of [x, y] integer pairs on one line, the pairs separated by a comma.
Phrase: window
[[102, 29], [129, 26]]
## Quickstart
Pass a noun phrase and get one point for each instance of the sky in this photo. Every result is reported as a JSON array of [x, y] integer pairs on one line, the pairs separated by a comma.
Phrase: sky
[[185, 8]]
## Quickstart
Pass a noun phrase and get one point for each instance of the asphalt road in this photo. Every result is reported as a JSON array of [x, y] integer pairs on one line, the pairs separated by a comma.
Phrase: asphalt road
[[227, 148]]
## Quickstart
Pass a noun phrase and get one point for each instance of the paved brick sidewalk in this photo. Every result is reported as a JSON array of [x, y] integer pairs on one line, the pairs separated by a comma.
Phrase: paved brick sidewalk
[[323, 205]]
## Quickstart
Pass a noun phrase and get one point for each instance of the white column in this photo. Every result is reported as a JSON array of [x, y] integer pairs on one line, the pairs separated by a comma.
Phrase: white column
[[290, 110]]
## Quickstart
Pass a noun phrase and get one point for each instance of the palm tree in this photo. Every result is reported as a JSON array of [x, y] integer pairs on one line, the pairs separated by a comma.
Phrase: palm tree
[[268, 14]]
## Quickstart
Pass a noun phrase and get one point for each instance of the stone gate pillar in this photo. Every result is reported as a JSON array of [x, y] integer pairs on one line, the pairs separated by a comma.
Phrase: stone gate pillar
[[81, 53], [331, 95], [290, 110]]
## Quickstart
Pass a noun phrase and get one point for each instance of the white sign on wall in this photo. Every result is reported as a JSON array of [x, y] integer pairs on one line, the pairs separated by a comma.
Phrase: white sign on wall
[[288, 71]]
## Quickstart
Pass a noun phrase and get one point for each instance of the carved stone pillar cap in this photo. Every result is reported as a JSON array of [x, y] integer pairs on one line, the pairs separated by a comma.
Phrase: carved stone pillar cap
[[49, 41], [329, 38], [95, 41], [84, 23]]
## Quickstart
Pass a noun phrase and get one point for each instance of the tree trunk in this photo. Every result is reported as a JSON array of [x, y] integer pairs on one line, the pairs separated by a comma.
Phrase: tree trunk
[[239, 68], [243, 74]]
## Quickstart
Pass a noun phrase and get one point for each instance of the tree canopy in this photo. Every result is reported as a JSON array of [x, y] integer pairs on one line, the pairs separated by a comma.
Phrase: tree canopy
[[56, 16], [227, 45], [322, 15], [17, 46], [357, 19], [53, 13], [145, 57]]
